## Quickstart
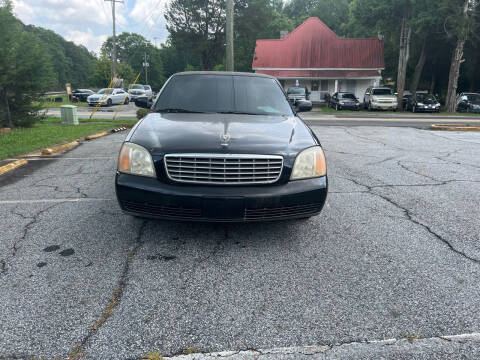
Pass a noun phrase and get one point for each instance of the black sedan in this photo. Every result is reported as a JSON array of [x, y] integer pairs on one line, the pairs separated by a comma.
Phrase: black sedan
[[220, 146], [82, 94], [469, 102], [421, 102], [344, 100]]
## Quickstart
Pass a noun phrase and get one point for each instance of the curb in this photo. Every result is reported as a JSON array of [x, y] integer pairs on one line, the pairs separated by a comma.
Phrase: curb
[[96, 136], [60, 148], [451, 127], [11, 166]]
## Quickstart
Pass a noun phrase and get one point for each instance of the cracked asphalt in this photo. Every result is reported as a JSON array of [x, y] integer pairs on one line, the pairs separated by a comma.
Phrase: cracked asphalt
[[388, 270]]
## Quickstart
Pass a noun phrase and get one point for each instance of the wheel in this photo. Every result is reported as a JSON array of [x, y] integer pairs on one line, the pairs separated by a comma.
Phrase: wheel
[[369, 106], [109, 102], [126, 101]]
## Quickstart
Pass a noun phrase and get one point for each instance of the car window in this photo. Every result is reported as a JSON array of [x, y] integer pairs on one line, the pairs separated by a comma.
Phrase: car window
[[221, 93], [105, 91], [296, 91], [381, 92], [474, 98]]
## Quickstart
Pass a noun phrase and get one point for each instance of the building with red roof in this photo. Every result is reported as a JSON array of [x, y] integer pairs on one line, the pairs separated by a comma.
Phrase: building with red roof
[[314, 56]]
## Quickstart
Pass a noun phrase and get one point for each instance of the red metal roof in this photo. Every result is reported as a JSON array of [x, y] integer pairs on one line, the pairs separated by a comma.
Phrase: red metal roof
[[313, 45], [334, 74]]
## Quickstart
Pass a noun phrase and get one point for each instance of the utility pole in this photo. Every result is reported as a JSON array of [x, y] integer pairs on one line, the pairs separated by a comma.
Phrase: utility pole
[[229, 34], [146, 65], [114, 50]]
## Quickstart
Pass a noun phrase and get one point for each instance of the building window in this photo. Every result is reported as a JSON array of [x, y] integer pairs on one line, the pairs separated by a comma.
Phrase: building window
[[315, 85], [324, 85]]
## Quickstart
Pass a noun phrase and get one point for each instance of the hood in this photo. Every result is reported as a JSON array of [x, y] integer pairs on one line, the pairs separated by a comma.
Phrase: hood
[[202, 133]]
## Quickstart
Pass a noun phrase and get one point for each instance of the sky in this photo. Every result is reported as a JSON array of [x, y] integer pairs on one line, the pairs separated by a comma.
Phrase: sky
[[89, 22]]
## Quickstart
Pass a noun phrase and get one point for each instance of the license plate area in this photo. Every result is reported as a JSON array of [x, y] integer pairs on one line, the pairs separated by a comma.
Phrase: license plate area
[[223, 208]]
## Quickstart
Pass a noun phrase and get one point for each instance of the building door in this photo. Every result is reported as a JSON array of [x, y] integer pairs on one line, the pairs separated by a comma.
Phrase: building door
[[319, 88]]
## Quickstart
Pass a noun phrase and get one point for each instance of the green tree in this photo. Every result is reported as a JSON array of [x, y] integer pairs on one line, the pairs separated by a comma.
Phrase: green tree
[[197, 28], [25, 71], [131, 50]]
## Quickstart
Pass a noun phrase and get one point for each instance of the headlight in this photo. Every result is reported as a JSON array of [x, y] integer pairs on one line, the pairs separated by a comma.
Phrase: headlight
[[310, 163], [419, 104], [135, 159]]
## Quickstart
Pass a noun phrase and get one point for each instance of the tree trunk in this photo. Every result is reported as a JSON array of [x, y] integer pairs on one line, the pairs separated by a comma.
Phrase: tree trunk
[[7, 108], [451, 101], [419, 68], [404, 53]]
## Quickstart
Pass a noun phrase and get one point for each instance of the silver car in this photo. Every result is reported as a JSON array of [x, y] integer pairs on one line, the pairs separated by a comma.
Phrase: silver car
[[109, 97], [380, 98]]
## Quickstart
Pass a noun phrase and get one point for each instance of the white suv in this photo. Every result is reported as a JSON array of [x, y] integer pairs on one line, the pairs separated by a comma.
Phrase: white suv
[[381, 98]]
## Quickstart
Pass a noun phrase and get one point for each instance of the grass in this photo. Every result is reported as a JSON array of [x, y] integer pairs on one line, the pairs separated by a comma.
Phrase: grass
[[49, 132], [49, 103], [325, 110]]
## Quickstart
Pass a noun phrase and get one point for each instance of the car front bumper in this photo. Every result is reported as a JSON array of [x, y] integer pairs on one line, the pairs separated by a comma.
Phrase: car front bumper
[[148, 197], [384, 106]]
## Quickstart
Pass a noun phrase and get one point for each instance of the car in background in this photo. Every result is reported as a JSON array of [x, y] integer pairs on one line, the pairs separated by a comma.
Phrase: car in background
[[82, 94], [136, 93], [296, 93], [468, 102], [421, 102], [109, 97], [344, 100], [380, 98], [222, 147], [148, 91]]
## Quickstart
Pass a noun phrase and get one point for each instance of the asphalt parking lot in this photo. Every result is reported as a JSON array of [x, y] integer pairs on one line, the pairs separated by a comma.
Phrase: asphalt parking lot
[[390, 269]]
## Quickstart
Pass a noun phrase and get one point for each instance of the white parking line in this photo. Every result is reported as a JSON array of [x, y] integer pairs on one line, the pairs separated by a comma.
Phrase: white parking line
[[35, 201], [296, 351]]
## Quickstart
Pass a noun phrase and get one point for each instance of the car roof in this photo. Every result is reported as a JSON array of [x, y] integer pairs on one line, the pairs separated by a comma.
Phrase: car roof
[[223, 73]]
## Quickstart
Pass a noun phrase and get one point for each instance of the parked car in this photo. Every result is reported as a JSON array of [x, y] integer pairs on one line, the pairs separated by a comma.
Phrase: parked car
[[82, 94], [381, 98], [136, 93], [468, 102], [109, 97], [421, 102], [344, 100], [148, 91], [221, 146], [297, 93]]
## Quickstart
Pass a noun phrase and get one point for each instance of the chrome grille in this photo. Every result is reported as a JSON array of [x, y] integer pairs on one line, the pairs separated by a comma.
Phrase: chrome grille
[[226, 169]]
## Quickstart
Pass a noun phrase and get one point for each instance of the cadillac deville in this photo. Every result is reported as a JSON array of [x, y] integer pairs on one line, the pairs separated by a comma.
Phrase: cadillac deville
[[222, 146]]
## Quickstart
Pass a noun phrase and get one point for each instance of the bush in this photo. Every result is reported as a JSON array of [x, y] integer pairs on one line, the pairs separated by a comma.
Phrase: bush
[[141, 113]]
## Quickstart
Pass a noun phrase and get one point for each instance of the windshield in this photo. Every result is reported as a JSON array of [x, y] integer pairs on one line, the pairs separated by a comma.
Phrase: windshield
[[347, 96], [474, 98], [146, 87], [296, 91], [136, 86], [105, 91], [425, 97], [223, 94], [381, 92]]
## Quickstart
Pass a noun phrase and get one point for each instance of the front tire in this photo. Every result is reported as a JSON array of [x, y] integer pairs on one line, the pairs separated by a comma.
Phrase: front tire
[[109, 102], [126, 101]]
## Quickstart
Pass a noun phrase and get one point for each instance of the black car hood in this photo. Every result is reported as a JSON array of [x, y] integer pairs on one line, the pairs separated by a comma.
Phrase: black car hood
[[202, 133]]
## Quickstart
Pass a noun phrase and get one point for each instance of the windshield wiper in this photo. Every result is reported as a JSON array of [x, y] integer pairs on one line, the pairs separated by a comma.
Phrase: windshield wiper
[[177, 110]]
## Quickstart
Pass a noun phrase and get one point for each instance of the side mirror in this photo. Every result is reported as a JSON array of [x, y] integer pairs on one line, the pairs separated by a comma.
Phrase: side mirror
[[143, 102], [367, 93], [303, 106]]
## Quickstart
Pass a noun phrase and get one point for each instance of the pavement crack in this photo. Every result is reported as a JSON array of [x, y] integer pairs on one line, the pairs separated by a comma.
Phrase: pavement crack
[[409, 216], [403, 166], [32, 220], [79, 349]]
